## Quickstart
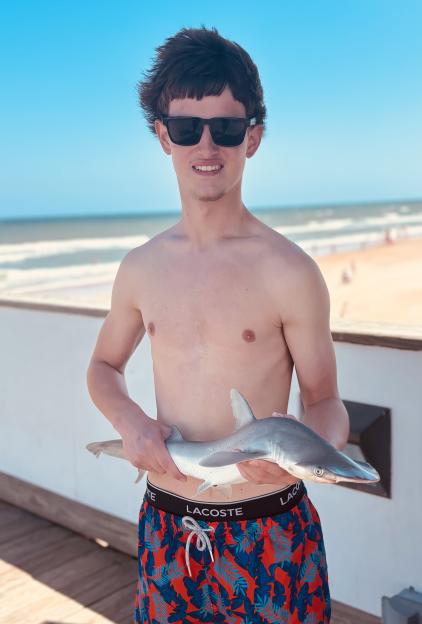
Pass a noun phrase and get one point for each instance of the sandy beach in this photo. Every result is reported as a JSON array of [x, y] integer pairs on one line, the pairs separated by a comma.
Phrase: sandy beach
[[380, 284]]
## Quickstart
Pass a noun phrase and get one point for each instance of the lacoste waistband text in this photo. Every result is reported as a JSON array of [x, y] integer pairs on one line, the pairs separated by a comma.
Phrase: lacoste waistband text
[[256, 507]]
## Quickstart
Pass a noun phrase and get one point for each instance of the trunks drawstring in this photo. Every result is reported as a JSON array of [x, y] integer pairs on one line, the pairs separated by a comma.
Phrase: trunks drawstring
[[202, 539]]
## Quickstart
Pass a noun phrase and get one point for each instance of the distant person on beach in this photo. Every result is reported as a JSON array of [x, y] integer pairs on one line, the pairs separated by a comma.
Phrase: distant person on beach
[[389, 236], [346, 275], [227, 302]]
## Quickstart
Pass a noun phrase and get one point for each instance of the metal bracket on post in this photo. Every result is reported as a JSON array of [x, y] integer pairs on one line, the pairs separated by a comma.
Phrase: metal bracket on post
[[403, 608], [369, 441]]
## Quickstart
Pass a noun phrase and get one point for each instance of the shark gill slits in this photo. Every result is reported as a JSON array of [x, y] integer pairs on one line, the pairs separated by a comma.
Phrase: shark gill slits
[[151, 328], [248, 335]]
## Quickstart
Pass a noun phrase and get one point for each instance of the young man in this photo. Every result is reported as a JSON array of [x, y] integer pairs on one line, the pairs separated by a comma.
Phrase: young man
[[227, 303]]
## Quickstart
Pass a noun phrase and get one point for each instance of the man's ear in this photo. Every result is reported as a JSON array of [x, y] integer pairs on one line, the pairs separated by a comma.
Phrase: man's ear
[[162, 135], [254, 139]]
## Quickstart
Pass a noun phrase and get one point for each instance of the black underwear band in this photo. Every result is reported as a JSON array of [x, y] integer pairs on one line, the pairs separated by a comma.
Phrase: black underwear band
[[256, 507]]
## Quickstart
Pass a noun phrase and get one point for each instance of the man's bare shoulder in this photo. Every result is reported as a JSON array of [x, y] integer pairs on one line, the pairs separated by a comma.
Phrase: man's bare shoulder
[[283, 253], [146, 252], [290, 272], [137, 271]]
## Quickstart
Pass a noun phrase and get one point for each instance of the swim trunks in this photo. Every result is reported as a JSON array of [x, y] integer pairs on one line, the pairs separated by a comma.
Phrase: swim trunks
[[255, 561]]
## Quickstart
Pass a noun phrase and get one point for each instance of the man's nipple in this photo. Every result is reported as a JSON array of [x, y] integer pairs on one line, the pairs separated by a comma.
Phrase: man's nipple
[[248, 335], [151, 328]]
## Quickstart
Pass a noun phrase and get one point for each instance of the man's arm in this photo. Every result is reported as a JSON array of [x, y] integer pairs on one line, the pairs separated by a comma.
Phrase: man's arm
[[122, 331], [305, 317], [120, 334], [304, 308]]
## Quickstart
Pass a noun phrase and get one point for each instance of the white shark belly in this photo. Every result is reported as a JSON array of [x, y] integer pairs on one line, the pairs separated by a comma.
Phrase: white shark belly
[[223, 475]]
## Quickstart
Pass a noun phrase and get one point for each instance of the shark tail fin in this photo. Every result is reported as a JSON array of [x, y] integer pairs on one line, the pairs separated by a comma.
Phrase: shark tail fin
[[95, 447], [140, 475]]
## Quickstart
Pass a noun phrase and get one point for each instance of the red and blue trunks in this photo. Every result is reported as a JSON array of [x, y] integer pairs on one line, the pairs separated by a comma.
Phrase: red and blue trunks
[[255, 561]]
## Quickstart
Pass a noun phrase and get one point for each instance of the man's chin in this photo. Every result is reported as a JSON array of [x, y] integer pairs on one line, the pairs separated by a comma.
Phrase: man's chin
[[209, 197]]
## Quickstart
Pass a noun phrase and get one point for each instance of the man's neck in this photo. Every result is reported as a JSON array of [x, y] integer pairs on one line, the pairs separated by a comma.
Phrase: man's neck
[[205, 224]]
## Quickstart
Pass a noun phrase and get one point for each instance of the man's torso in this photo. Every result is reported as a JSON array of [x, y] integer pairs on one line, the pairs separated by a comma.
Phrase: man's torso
[[214, 324]]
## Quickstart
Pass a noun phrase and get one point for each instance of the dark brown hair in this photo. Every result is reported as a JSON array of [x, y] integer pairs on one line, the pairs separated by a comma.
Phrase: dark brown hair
[[196, 62]]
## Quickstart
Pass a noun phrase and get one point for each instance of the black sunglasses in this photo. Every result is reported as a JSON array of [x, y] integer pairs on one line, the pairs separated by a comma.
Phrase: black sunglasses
[[225, 131]]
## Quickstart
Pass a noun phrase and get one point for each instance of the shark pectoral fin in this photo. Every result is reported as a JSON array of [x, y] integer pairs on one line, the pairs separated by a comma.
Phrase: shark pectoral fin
[[226, 458], [213, 479], [204, 486], [140, 475], [225, 488]]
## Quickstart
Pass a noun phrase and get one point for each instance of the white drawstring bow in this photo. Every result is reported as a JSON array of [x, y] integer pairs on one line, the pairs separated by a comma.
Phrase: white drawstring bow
[[202, 539]]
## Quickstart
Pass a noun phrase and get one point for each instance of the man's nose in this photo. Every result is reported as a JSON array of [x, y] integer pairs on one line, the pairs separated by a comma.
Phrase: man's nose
[[206, 138]]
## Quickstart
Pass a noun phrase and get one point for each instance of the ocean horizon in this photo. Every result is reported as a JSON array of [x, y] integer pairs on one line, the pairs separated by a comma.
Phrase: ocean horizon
[[41, 256]]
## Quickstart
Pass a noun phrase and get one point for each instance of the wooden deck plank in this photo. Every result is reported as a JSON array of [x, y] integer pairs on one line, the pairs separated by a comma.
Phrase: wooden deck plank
[[343, 614], [64, 574], [98, 619], [52, 568], [10, 513], [29, 553], [19, 525], [118, 607], [89, 559], [44, 602], [69, 513], [72, 574]]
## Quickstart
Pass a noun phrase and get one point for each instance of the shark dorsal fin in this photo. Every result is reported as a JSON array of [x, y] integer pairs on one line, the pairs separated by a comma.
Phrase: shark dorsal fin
[[175, 435], [243, 415]]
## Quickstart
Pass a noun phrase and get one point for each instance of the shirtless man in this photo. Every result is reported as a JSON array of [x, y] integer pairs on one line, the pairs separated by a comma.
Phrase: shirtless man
[[227, 302]]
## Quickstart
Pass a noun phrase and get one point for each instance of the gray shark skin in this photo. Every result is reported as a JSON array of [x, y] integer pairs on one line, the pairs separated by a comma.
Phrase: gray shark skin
[[292, 445]]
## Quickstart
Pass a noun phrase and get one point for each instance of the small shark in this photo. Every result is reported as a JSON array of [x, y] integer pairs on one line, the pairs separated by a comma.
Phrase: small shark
[[292, 445]]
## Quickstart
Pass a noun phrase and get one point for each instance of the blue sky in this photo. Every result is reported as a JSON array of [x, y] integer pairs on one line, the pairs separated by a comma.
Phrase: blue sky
[[341, 80]]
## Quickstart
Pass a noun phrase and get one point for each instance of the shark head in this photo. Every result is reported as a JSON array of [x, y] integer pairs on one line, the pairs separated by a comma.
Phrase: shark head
[[328, 467], [313, 472], [306, 455]]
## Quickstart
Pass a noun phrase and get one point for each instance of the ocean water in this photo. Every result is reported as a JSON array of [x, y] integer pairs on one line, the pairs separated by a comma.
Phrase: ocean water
[[52, 259]]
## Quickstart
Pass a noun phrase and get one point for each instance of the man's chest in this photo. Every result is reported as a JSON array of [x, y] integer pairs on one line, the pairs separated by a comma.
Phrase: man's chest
[[221, 305]]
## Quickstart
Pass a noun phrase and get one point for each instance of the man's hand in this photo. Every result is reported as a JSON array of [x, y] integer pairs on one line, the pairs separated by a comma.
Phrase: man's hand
[[261, 471], [143, 445]]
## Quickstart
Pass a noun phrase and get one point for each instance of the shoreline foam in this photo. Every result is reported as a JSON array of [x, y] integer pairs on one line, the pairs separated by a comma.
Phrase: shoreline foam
[[378, 284]]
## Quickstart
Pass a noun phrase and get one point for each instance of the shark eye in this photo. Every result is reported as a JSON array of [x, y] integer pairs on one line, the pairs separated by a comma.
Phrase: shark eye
[[318, 471]]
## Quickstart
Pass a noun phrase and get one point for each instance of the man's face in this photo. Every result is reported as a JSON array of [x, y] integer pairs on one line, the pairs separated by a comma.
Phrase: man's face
[[211, 187]]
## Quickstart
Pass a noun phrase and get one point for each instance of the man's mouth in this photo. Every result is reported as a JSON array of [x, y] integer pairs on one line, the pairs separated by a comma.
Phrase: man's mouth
[[207, 170]]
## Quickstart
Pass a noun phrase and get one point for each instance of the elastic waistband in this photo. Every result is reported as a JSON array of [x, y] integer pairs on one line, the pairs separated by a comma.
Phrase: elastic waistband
[[267, 505]]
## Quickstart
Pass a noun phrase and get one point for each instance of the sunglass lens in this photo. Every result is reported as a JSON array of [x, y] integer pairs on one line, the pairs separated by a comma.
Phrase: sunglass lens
[[228, 132], [184, 131]]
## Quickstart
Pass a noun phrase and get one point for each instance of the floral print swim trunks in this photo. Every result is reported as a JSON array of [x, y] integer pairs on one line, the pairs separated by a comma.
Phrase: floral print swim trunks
[[267, 569]]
